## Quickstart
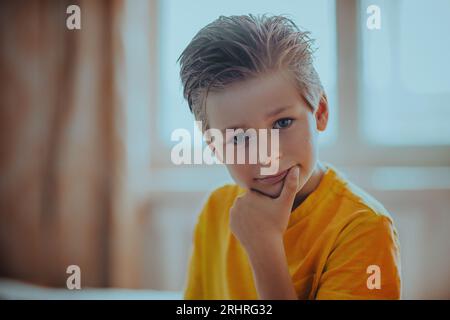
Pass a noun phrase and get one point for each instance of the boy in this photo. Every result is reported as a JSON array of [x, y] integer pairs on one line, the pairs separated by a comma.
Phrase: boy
[[304, 232]]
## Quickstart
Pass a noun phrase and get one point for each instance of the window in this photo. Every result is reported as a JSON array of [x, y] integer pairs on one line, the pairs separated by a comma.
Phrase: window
[[405, 81], [179, 21]]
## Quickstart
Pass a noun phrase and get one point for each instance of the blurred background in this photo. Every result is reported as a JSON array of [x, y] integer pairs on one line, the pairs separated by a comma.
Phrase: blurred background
[[86, 118]]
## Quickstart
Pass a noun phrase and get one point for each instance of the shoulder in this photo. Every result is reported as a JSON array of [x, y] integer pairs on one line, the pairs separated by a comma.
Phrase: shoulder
[[363, 233], [358, 210]]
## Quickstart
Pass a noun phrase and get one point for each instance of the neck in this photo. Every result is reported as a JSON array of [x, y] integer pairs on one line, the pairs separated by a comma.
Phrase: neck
[[310, 185]]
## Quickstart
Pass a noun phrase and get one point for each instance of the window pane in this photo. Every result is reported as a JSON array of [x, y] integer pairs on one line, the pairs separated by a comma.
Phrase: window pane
[[181, 20], [406, 73]]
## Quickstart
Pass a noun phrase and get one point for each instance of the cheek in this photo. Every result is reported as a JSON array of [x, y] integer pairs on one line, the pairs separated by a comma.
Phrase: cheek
[[299, 145], [241, 174]]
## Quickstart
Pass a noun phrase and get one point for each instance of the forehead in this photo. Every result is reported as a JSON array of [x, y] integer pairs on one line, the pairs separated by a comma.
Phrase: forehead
[[246, 102]]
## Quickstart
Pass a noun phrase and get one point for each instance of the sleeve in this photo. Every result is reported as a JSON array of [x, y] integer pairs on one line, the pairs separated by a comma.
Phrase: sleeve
[[194, 283], [364, 264], [194, 288]]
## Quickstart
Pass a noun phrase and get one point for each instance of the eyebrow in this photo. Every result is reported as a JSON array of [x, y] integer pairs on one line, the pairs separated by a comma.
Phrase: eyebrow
[[269, 115], [277, 111]]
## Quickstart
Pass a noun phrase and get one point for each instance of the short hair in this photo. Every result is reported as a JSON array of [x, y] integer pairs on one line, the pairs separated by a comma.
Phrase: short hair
[[236, 48]]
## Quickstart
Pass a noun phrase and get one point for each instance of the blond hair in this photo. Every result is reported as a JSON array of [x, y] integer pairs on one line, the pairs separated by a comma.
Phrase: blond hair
[[235, 48]]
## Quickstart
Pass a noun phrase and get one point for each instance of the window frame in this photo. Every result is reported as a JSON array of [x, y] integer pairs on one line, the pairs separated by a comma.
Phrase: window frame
[[350, 137]]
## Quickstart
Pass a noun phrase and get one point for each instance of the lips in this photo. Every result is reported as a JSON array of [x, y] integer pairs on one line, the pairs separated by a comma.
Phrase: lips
[[274, 178]]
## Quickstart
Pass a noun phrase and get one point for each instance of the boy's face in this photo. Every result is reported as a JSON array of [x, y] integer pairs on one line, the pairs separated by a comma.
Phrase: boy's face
[[246, 104]]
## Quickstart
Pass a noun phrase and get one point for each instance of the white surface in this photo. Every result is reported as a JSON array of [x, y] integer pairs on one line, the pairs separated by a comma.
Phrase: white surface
[[13, 290]]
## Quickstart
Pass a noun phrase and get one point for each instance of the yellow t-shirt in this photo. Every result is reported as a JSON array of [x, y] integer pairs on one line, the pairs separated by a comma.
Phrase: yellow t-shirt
[[333, 240]]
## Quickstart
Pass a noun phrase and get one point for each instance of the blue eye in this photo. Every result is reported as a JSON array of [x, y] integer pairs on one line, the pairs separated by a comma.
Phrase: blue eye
[[283, 123], [238, 139]]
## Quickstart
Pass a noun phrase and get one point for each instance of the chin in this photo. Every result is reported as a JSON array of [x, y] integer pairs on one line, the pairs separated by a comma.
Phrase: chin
[[272, 191]]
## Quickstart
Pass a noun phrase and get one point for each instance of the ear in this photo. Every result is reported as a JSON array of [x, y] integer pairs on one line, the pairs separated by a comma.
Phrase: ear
[[321, 113]]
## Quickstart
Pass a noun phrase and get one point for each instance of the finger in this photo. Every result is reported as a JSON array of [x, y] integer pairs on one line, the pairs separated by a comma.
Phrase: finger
[[290, 186]]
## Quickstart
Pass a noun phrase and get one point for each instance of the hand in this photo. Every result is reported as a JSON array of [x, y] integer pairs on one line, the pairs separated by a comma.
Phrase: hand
[[256, 218]]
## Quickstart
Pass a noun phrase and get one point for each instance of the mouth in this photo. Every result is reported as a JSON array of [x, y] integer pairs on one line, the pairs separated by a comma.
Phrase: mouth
[[274, 178]]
